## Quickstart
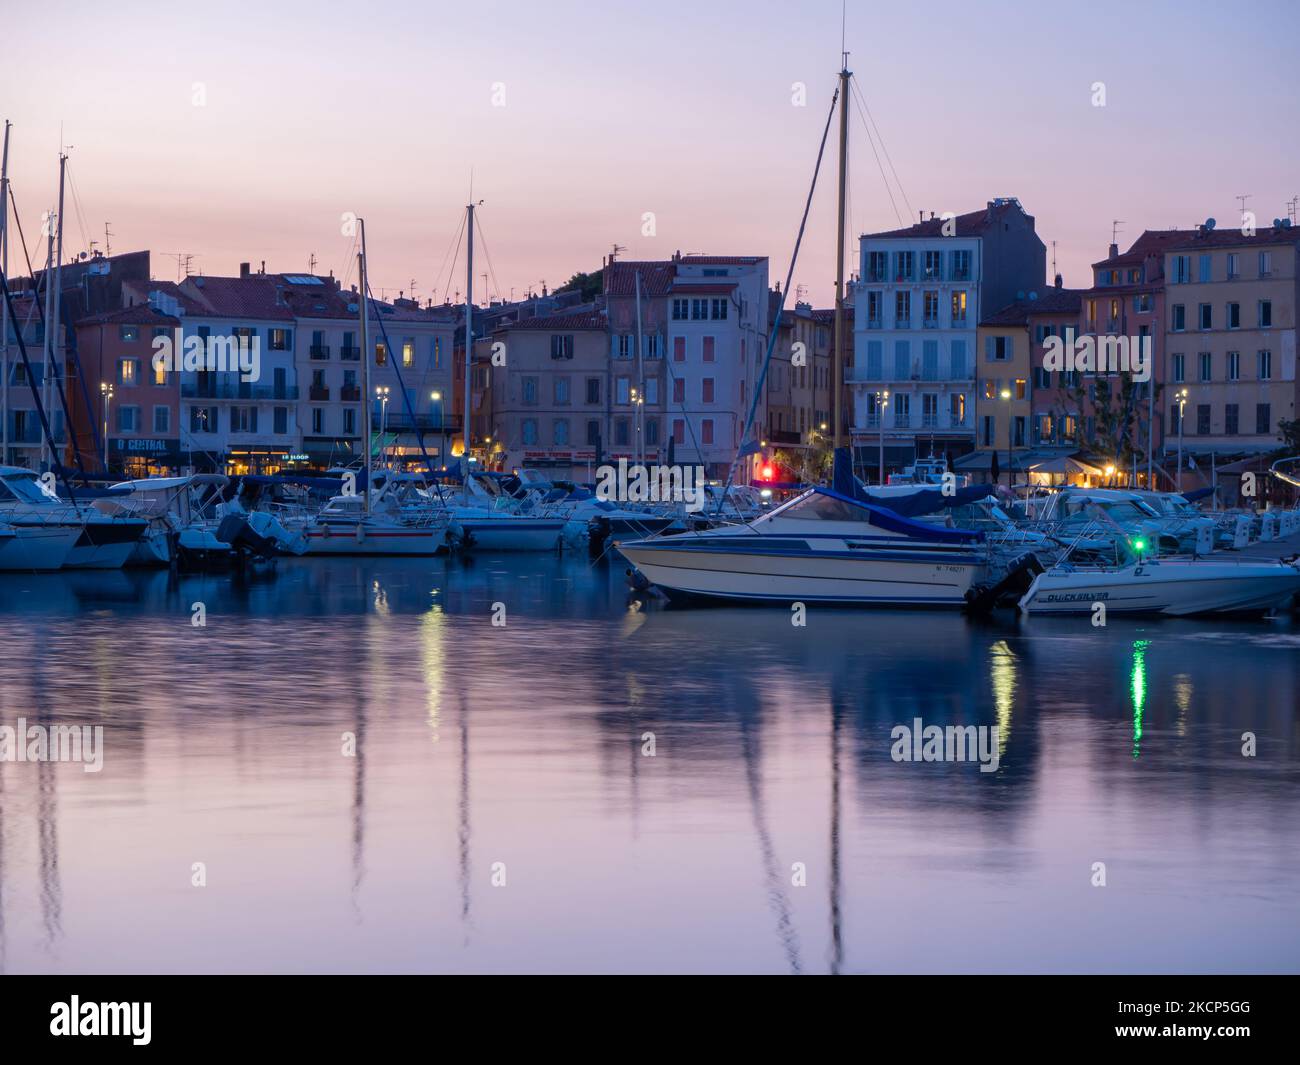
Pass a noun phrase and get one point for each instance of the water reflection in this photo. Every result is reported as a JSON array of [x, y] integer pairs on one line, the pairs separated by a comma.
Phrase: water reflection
[[771, 756]]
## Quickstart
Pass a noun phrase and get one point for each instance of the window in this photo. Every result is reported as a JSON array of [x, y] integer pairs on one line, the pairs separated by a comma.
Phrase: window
[[877, 265], [280, 420], [991, 388], [381, 353], [1234, 366], [1266, 264], [652, 431], [349, 421], [622, 390], [278, 339], [1175, 418], [959, 307], [934, 265], [1142, 303], [679, 349], [679, 431], [1265, 314], [902, 410], [1264, 364], [562, 345], [679, 390], [652, 390], [593, 433], [203, 419], [408, 352], [1230, 419], [930, 305], [1203, 268], [708, 349], [128, 334], [875, 360], [706, 431], [593, 390], [435, 359], [902, 310], [624, 350], [1234, 316], [957, 409], [1178, 369], [873, 309], [529, 390], [718, 310], [243, 419], [1263, 421], [699, 310], [1204, 316], [561, 391], [128, 419], [1178, 318], [560, 432], [929, 410], [680, 309], [961, 367], [1019, 391], [904, 265], [902, 360], [1042, 377], [1207, 363], [1202, 419], [706, 390], [998, 349], [528, 432], [1180, 269], [988, 430], [128, 372], [162, 420], [160, 375], [960, 266], [1234, 267]]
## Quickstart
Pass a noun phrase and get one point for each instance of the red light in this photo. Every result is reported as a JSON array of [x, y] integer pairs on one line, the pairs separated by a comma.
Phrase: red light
[[767, 473]]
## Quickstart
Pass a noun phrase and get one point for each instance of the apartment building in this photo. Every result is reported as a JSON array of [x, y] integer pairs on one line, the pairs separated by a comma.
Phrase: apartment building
[[21, 435], [705, 319], [921, 295], [126, 401], [555, 405], [1230, 339]]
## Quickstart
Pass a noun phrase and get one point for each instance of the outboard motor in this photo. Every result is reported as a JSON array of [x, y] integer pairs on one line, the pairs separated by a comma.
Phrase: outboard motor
[[598, 534], [244, 540]]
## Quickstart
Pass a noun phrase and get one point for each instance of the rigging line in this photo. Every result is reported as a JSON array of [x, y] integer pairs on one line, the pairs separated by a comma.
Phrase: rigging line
[[785, 293], [454, 243], [460, 236], [884, 148], [883, 177], [487, 254], [76, 205]]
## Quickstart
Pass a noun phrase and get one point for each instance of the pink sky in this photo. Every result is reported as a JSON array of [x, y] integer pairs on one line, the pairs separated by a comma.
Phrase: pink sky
[[614, 110]]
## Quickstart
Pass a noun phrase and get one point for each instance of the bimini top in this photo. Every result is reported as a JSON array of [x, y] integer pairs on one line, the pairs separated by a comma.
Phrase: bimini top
[[826, 504]]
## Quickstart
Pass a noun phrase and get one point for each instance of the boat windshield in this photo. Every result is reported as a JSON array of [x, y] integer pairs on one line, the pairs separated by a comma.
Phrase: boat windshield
[[817, 506], [27, 488]]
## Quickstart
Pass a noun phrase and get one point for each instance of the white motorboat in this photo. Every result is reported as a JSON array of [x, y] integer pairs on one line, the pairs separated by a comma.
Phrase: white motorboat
[[821, 546], [343, 527], [36, 546], [1176, 587], [102, 541]]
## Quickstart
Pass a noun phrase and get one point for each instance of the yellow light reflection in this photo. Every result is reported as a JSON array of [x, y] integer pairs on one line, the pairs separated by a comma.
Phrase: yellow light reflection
[[1002, 675], [433, 633]]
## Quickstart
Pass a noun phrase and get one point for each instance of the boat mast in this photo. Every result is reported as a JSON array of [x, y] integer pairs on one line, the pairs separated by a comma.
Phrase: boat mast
[[469, 340], [52, 324], [638, 411], [366, 355], [837, 359], [4, 306]]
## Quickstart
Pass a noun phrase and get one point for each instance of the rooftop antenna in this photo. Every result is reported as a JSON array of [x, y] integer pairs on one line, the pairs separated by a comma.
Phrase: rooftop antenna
[[1054, 257], [1114, 231], [184, 260], [1291, 208], [413, 290], [311, 263], [616, 251], [1242, 200], [108, 240], [487, 295]]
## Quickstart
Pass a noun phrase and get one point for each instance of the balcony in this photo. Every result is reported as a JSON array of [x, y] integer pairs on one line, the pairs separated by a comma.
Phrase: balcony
[[903, 323], [350, 354], [874, 323], [434, 422], [238, 390], [931, 323], [320, 351], [350, 393], [318, 394]]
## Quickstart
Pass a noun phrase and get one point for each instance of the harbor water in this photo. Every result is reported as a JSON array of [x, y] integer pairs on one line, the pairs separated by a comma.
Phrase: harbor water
[[505, 764]]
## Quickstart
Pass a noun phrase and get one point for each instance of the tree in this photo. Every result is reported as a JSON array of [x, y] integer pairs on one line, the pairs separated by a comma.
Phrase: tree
[[589, 285], [1121, 422], [812, 465]]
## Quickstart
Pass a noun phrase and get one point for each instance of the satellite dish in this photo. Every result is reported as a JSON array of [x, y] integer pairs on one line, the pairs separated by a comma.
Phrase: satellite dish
[[1210, 223]]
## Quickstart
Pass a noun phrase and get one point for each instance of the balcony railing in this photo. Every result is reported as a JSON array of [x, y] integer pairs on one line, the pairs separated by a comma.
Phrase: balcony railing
[[931, 323], [903, 323], [318, 393], [320, 351], [238, 390], [429, 423], [350, 393], [350, 354], [873, 323]]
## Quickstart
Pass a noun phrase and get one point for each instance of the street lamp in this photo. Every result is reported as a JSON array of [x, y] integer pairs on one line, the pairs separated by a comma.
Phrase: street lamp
[[1181, 395], [381, 392], [436, 397], [882, 403], [106, 393], [1011, 476]]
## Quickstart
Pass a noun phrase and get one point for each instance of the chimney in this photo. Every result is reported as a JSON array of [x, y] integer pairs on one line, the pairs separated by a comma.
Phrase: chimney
[[243, 271], [1059, 282], [1114, 251], [263, 270]]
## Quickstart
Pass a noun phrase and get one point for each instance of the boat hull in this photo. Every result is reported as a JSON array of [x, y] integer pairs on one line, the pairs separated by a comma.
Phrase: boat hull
[[859, 578], [1169, 588], [394, 541], [39, 548], [106, 544], [509, 534]]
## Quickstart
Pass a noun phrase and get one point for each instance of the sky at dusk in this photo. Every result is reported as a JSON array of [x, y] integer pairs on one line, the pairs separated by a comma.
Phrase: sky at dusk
[[244, 131]]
